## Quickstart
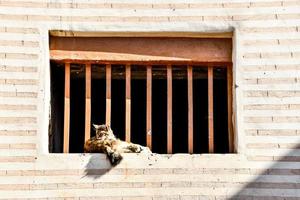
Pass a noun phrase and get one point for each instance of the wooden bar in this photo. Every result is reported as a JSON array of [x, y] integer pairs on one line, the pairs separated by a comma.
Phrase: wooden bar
[[108, 95], [169, 109], [190, 109], [88, 80], [229, 109], [210, 110], [149, 107], [128, 103], [67, 109]]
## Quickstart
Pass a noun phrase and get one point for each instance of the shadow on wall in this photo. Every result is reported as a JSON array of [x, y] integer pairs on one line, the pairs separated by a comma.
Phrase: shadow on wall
[[280, 181], [97, 166]]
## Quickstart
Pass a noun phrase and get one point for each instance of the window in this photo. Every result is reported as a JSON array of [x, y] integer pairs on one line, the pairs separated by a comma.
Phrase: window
[[171, 94]]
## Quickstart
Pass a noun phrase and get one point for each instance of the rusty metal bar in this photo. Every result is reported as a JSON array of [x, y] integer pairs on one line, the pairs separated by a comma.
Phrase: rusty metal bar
[[67, 109], [128, 103], [190, 109], [88, 82], [108, 95], [229, 109], [210, 110], [169, 109], [149, 107]]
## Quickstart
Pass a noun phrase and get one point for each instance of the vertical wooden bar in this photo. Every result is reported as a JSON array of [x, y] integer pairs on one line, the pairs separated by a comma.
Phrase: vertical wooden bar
[[149, 107], [128, 102], [169, 109], [88, 80], [229, 109], [67, 109], [190, 109], [210, 110], [108, 95]]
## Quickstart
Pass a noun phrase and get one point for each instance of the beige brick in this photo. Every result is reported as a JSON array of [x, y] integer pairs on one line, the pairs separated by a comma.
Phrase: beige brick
[[176, 184], [260, 42], [17, 107], [276, 80], [32, 172], [22, 30], [4, 146], [18, 133], [8, 94], [276, 55], [14, 172], [260, 158], [27, 94], [17, 120], [280, 132], [148, 19], [250, 81], [259, 68], [236, 5], [252, 55], [13, 17], [289, 146], [61, 172], [2, 55], [284, 93], [185, 18], [294, 106], [49, 186], [17, 159], [21, 56], [112, 185], [81, 18], [255, 93], [17, 43], [94, 5], [189, 197], [288, 16], [22, 146], [137, 198], [217, 18], [21, 81], [136, 5], [262, 145], [288, 67], [286, 119], [14, 187], [205, 5], [289, 41], [251, 132], [27, 4], [269, 30], [63, 5], [43, 18], [266, 107], [266, 4], [257, 119], [11, 69], [253, 17], [30, 69], [291, 3], [158, 171], [74, 185]]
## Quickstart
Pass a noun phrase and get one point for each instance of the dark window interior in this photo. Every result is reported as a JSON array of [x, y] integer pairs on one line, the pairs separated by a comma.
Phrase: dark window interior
[[138, 107]]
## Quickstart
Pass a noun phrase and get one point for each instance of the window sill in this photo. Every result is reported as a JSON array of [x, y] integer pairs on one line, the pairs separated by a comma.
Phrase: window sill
[[131, 160]]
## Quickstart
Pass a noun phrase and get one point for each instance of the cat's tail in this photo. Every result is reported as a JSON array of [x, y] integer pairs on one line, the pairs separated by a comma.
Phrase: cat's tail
[[114, 158]]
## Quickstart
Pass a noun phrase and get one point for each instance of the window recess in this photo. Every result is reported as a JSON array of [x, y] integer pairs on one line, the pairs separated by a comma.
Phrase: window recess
[[173, 95]]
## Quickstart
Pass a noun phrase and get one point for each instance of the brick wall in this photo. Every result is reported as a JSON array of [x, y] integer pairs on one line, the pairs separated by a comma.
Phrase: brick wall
[[267, 76]]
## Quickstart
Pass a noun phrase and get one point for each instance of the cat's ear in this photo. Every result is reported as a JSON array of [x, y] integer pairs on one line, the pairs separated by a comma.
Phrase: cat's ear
[[96, 127]]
